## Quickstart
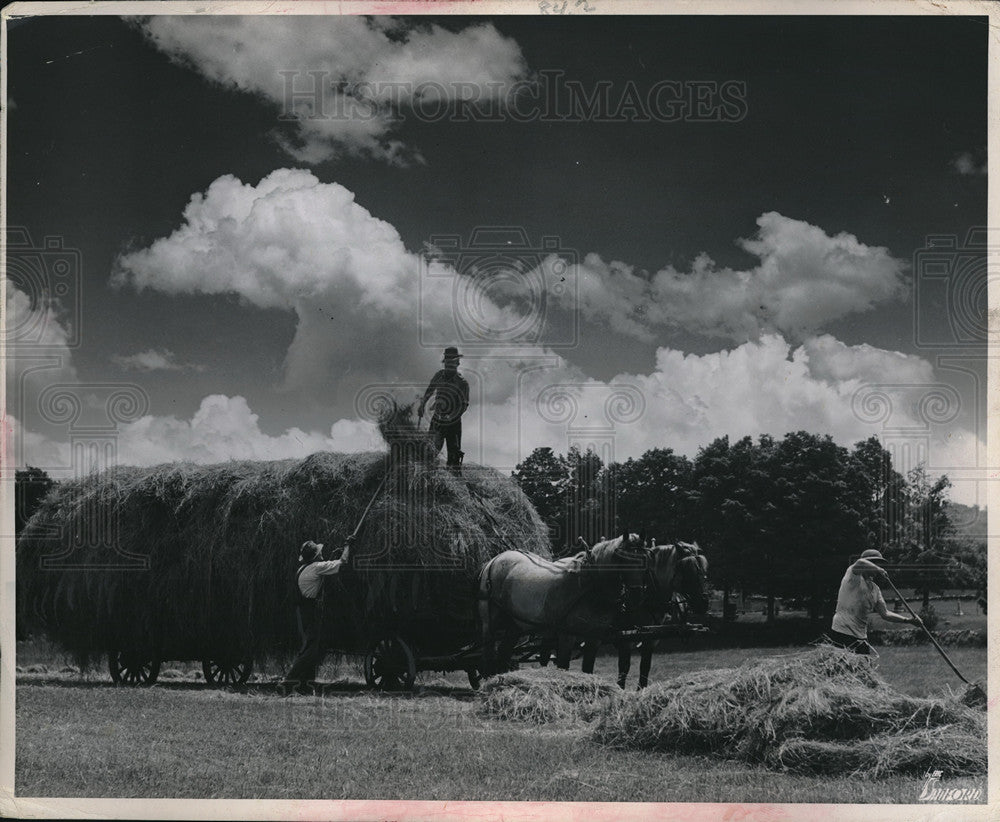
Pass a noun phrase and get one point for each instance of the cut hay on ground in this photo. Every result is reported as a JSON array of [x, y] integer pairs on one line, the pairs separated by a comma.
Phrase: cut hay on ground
[[195, 561], [543, 695], [821, 711]]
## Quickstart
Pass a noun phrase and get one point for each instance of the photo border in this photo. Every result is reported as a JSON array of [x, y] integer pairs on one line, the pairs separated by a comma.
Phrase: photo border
[[33, 807]]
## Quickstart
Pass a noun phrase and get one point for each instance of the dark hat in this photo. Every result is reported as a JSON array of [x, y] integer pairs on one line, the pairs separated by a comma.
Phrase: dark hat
[[310, 550], [451, 353], [873, 556]]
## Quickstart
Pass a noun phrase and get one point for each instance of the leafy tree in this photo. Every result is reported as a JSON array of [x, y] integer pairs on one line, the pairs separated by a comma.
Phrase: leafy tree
[[818, 504], [30, 487], [651, 492], [886, 513], [928, 539], [780, 518], [589, 509], [544, 478], [725, 506], [968, 547]]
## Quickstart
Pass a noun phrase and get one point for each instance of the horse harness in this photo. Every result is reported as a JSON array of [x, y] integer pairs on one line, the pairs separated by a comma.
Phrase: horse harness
[[488, 597], [682, 551]]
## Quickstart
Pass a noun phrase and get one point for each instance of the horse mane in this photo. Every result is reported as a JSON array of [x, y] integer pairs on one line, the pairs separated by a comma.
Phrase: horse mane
[[661, 554], [610, 548]]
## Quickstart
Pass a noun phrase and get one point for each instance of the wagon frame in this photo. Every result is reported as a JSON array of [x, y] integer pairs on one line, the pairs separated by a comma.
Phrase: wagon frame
[[392, 662]]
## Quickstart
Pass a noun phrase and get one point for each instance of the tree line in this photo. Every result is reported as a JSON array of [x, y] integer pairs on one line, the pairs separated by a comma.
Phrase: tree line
[[780, 518]]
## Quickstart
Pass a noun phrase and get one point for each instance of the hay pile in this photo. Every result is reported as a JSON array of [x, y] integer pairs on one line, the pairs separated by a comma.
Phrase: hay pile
[[544, 695], [822, 711], [220, 543]]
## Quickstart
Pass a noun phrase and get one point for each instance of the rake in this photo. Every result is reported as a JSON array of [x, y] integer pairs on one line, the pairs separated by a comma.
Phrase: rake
[[974, 694]]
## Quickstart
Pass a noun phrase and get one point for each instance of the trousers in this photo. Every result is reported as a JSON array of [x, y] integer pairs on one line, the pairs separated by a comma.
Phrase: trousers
[[449, 434], [851, 643], [311, 653]]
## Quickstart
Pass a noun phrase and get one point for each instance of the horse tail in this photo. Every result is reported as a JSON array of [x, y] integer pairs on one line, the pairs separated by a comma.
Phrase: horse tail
[[484, 605], [485, 571]]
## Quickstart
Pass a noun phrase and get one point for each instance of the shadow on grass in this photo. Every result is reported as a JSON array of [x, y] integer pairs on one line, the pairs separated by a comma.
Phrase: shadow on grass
[[323, 689]]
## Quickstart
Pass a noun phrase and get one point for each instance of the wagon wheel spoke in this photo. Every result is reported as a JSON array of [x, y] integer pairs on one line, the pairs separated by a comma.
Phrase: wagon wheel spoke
[[132, 668], [390, 665], [227, 673]]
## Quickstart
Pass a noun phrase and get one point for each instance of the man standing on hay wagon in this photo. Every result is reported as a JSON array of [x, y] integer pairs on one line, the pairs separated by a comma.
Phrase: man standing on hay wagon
[[451, 399], [859, 597], [309, 581]]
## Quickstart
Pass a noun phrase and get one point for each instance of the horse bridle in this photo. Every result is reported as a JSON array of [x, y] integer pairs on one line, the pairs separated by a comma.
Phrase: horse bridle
[[683, 553]]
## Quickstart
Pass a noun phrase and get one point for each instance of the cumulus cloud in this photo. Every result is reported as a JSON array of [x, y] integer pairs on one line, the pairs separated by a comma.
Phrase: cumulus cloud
[[37, 450], [292, 242], [153, 360], [368, 72], [837, 363], [764, 386], [805, 278], [968, 165], [684, 402], [364, 306], [38, 351], [222, 429], [368, 310]]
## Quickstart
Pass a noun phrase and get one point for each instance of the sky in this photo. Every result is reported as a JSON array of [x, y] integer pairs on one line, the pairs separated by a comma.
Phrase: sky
[[642, 232]]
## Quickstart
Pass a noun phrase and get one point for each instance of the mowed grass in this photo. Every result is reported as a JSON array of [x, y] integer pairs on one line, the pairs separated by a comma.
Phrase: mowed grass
[[85, 738]]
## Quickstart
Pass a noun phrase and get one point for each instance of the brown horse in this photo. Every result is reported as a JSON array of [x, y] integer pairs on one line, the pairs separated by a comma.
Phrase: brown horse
[[521, 593], [677, 580]]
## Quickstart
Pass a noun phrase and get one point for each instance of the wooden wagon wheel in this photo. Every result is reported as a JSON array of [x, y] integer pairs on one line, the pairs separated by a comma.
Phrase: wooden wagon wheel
[[227, 672], [390, 665], [132, 668]]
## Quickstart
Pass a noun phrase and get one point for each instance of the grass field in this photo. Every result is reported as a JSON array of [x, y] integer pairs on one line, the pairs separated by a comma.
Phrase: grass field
[[80, 736]]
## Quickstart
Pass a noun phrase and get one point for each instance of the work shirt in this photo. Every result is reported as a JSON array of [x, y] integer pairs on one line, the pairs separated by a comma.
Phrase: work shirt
[[311, 577], [451, 395], [857, 599]]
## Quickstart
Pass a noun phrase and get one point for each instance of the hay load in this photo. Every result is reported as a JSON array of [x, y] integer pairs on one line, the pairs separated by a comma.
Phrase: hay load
[[822, 711], [194, 561]]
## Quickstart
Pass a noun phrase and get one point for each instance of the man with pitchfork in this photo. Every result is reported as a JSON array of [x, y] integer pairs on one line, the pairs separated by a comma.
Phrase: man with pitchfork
[[309, 583], [858, 598], [451, 400]]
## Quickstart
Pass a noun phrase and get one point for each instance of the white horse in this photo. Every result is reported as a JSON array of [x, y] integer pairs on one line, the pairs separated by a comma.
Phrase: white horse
[[521, 593]]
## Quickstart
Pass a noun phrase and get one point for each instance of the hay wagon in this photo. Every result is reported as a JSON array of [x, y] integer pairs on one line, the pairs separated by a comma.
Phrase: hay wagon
[[395, 657], [434, 627], [183, 561], [394, 662]]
